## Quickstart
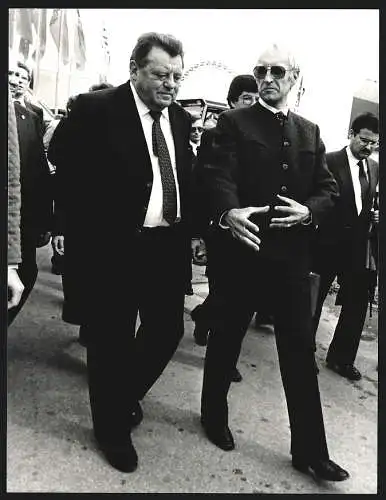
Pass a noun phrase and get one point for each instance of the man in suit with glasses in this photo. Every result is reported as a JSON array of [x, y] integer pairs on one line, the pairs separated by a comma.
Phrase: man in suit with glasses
[[268, 185], [342, 240]]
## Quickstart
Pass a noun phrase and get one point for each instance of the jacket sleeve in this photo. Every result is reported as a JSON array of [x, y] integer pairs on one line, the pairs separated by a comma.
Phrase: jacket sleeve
[[14, 192], [219, 170], [64, 150], [325, 192]]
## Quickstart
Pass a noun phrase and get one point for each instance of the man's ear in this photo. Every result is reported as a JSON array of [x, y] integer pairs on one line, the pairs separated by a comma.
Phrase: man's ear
[[133, 70]]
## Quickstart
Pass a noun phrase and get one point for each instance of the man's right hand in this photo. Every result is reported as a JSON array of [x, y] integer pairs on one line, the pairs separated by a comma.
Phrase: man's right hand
[[58, 244], [241, 227]]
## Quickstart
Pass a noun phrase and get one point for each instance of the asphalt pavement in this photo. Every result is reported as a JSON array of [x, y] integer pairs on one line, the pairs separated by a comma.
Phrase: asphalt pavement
[[50, 445]]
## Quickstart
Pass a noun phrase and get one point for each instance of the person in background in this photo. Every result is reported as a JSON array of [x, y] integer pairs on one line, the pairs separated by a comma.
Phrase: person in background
[[195, 140], [268, 187], [36, 192], [19, 79], [15, 285], [196, 133], [341, 242], [242, 93], [127, 223]]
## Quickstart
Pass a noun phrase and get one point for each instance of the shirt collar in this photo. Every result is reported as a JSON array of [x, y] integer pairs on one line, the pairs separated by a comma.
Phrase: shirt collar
[[20, 100], [352, 160], [141, 106], [284, 110]]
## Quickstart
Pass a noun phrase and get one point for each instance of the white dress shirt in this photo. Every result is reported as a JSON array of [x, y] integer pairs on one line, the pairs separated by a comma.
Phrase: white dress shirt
[[154, 214], [20, 100], [354, 170], [195, 146]]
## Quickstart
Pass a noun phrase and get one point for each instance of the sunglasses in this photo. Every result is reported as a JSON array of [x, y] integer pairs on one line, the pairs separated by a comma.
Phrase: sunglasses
[[277, 72], [199, 129]]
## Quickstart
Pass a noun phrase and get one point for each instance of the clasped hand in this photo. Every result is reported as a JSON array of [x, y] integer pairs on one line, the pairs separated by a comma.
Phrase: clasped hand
[[246, 231], [295, 213]]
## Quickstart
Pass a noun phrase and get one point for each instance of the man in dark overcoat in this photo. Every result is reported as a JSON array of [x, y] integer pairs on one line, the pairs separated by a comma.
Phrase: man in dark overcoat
[[123, 165]]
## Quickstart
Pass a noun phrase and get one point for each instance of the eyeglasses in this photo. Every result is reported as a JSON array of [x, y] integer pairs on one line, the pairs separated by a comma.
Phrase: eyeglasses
[[368, 142], [198, 129], [248, 99], [277, 72]]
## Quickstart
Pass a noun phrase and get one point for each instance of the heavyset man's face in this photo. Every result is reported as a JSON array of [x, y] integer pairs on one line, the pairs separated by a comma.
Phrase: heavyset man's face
[[158, 82]]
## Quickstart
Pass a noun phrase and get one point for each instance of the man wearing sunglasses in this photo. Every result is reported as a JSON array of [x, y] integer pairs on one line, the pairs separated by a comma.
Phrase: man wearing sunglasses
[[268, 185], [342, 242]]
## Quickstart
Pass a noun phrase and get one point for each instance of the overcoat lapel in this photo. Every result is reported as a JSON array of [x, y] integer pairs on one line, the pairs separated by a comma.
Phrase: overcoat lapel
[[126, 132]]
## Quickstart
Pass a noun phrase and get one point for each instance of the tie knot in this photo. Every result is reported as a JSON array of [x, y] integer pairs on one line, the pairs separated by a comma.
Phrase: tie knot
[[156, 115]]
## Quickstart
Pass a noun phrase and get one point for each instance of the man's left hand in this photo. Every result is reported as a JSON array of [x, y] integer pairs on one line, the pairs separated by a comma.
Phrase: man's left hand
[[295, 213], [198, 252]]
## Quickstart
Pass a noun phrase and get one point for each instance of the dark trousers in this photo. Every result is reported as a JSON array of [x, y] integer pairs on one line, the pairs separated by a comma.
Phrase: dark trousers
[[288, 290], [122, 366], [354, 295], [28, 272]]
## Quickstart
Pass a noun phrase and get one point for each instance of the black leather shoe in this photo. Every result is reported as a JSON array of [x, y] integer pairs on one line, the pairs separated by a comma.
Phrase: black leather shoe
[[347, 371], [136, 415], [124, 459], [221, 436], [200, 334], [236, 375], [324, 469]]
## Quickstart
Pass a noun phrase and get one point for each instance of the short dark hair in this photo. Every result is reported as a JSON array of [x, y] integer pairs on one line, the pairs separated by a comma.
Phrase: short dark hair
[[24, 66], [240, 84], [149, 40], [100, 86], [365, 120]]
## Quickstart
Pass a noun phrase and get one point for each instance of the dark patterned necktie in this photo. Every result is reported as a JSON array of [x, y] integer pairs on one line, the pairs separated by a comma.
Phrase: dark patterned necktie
[[160, 149], [363, 182]]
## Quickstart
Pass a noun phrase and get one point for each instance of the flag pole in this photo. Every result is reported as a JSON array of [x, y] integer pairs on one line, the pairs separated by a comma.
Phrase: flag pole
[[58, 64], [71, 64], [38, 45]]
